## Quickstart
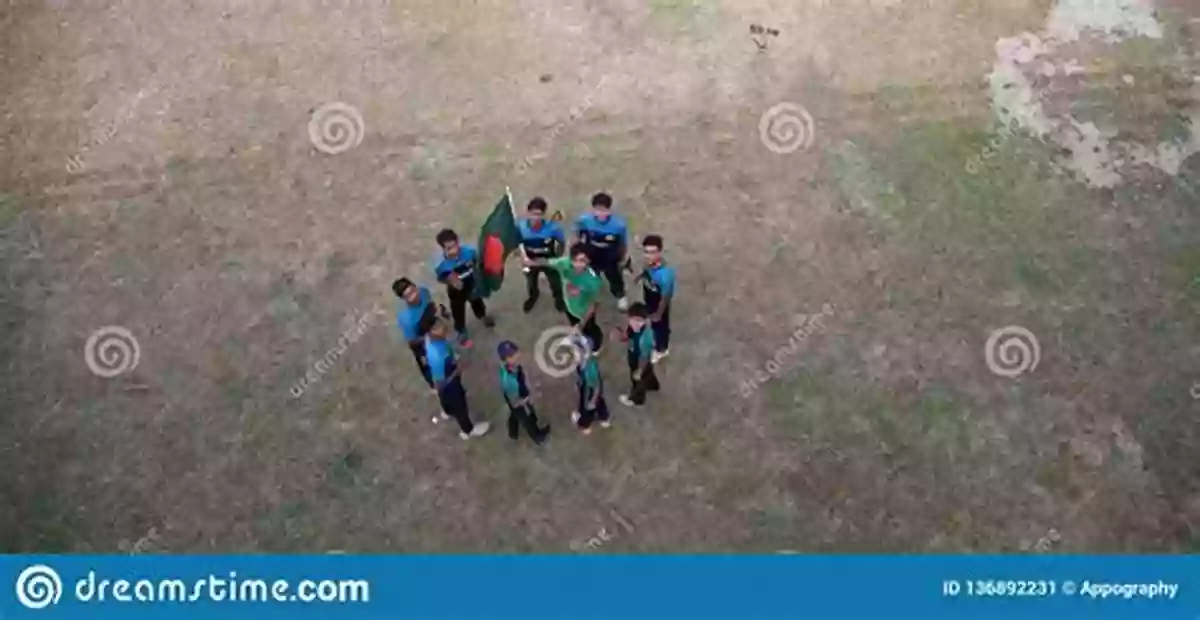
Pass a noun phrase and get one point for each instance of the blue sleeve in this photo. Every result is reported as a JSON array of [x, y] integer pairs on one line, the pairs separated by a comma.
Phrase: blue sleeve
[[581, 223], [426, 297], [623, 232], [468, 253], [668, 282], [441, 266], [557, 233]]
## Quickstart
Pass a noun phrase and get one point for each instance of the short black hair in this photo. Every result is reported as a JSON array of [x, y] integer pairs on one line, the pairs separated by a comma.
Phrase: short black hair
[[580, 248], [537, 204], [446, 236], [602, 200], [401, 285], [637, 309], [653, 241]]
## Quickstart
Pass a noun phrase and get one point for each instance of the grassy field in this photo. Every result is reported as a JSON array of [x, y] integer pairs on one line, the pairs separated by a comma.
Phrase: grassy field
[[158, 175]]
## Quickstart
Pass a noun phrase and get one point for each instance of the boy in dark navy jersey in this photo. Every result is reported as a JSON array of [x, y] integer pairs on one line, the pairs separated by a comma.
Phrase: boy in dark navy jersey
[[516, 395], [607, 238], [455, 266], [541, 239], [447, 378], [641, 346], [658, 292]]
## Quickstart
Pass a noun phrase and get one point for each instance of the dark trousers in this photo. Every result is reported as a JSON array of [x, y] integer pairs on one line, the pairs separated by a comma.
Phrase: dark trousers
[[453, 398], [648, 382], [459, 298], [418, 351], [587, 416], [527, 417], [662, 332], [552, 277], [590, 329], [615, 276]]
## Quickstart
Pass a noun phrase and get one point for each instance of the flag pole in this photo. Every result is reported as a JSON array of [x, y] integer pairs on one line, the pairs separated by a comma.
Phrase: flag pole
[[512, 206]]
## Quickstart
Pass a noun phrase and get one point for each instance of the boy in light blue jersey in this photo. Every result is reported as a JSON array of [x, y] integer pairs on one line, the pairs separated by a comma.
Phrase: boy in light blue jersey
[[418, 304], [447, 377], [658, 293], [606, 236]]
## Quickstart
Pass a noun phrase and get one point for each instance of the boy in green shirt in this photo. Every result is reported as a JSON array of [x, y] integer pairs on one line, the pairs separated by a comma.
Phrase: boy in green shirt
[[516, 394], [581, 284]]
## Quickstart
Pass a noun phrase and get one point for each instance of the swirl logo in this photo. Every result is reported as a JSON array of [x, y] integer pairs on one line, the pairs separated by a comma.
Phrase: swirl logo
[[559, 350], [38, 587], [1011, 351], [335, 128], [1196, 390], [786, 128], [111, 351]]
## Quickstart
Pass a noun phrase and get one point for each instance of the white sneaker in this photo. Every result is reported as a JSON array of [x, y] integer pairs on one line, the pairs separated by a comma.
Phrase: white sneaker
[[442, 416], [625, 400], [656, 356], [623, 304], [606, 424], [575, 418], [480, 430]]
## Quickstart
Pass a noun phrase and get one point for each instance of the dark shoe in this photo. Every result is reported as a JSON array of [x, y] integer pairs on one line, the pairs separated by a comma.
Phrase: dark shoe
[[543, 435], [529, 304], [489, 322]]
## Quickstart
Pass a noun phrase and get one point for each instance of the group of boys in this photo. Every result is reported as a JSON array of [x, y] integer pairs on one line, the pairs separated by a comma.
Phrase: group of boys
[[600, 248]]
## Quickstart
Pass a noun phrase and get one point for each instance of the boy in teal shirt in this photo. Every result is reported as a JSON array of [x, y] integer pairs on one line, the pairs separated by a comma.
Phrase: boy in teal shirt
[[516, 395], [641, 351], [591, 405]]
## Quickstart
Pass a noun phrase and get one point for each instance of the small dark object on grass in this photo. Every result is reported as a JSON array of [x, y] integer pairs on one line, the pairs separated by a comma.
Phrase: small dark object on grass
[[546, 77]]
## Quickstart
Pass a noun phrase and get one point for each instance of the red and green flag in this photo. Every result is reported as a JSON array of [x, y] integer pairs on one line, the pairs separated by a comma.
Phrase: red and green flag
[[498, 238]]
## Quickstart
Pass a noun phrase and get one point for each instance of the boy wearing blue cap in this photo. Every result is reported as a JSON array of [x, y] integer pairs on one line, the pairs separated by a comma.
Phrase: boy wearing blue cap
[[591, 405], [516, 394], [640, 337]]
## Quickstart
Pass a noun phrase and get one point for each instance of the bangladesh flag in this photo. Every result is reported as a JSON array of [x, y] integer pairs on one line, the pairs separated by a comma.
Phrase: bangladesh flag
[[498, 238]]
